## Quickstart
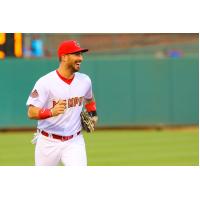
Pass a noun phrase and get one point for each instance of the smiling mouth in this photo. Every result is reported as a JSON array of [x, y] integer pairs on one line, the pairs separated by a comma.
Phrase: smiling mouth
[[78, 64]]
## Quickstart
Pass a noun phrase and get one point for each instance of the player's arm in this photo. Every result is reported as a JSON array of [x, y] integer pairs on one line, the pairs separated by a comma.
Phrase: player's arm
[[44, 113], [90, 106], [89, 100]]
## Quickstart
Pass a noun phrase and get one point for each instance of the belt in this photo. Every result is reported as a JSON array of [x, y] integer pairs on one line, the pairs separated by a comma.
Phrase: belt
[[59, 137]]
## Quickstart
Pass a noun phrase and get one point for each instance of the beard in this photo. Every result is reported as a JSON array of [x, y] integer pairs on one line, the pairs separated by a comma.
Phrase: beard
[[75, 67], [75, 70]]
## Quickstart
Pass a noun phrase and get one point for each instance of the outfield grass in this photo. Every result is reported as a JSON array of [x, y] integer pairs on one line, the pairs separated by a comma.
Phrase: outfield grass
[[115, 148]]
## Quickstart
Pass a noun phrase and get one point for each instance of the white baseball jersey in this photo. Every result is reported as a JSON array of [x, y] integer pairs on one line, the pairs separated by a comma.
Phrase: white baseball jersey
[[51, 88]]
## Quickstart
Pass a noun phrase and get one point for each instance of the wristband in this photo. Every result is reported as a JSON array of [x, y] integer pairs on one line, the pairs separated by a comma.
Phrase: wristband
[[91, 106], [45, 113]]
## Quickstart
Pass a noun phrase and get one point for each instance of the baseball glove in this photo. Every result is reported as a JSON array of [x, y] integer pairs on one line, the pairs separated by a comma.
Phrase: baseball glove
[[87, 122]]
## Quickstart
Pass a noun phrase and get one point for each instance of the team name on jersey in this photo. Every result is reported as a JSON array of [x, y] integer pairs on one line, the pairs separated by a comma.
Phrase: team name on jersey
[[72, 102]]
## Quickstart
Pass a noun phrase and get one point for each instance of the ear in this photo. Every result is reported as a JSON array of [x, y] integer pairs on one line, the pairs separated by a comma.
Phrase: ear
[[63, 57]]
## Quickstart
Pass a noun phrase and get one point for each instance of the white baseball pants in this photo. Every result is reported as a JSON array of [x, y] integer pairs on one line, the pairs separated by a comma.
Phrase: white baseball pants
[[50, 151]]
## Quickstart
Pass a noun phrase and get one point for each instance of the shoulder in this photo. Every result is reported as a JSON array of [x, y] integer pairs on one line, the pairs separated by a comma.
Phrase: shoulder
[[82, 77], [46, 79]]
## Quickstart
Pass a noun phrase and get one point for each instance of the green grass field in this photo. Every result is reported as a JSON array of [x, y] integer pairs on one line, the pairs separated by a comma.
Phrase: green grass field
[[115, 148]]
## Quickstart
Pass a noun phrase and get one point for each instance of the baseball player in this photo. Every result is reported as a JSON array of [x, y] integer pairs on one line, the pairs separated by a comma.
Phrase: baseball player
[[56, 101]]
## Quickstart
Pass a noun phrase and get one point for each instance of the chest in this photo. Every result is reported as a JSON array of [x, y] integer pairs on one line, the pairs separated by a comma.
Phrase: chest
[[64, 91]]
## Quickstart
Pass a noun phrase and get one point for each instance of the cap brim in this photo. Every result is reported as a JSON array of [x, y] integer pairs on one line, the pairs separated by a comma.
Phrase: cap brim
[[81, 50]]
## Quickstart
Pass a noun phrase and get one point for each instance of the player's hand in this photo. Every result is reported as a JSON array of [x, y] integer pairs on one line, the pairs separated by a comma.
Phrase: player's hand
[[59, 108], [94, 120]]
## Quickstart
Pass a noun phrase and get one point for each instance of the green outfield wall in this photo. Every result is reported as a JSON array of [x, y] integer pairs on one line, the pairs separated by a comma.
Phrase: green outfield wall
[[128, 90]]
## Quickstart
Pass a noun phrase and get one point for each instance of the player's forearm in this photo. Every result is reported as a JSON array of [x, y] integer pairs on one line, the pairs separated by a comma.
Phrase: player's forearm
[[33, 112], [90, 106], [44, 113], [89, 100], [38, 113]]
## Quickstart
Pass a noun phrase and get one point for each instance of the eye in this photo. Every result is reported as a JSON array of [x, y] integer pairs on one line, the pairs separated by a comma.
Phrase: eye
[[78, 54]]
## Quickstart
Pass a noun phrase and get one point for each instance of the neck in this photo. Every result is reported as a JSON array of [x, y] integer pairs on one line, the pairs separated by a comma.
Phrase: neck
[[65, 72]]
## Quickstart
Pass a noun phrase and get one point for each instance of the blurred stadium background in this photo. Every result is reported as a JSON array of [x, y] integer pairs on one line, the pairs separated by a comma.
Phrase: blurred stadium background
[[146, 87]]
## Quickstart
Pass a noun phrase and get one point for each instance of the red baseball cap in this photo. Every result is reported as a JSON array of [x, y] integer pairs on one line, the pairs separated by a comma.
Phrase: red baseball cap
[[69, 47]]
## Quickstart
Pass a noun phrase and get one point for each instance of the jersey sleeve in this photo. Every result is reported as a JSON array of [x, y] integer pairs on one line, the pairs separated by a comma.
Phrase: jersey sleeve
[[89, 93], [38, 96]]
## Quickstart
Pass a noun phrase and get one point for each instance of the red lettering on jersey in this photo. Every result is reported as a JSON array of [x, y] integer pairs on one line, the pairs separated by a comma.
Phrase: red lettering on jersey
[[76, 101], [80, 100], [54, 103], [70, 102]]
